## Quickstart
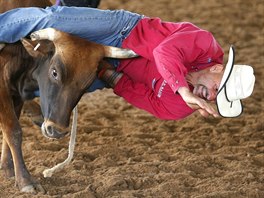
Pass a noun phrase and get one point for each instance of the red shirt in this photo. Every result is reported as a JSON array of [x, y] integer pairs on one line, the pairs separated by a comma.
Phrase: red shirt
[[168, 51]]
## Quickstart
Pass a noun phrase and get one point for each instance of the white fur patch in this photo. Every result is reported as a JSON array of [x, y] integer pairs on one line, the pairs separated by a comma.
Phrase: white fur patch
[[50, 171]]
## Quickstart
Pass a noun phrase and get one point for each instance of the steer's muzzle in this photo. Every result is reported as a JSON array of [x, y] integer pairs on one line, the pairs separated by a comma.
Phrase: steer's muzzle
[[50, 130]]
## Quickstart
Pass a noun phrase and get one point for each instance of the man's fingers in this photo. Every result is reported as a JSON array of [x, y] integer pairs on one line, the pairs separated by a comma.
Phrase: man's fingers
[[205, 108], [203, 112], [211, 110]]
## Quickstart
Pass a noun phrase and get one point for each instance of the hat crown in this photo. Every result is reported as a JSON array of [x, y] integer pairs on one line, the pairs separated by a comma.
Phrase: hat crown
[[240, 83]]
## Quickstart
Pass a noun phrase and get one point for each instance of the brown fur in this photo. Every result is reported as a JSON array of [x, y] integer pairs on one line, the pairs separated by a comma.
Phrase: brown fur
[[24, 70], [17, 65], [12, 162]]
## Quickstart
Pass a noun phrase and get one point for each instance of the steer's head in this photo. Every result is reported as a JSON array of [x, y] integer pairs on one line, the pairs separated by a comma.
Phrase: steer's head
[[65, 75]]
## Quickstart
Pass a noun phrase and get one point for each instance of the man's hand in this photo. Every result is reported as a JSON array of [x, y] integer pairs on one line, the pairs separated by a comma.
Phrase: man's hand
[[195, 102]]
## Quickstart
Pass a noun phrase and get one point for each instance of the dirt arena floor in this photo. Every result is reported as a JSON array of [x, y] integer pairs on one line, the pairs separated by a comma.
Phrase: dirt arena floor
[[122, 151]]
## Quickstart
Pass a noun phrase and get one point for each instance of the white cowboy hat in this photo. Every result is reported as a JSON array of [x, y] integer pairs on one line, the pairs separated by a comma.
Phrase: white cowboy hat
[[237, 83]]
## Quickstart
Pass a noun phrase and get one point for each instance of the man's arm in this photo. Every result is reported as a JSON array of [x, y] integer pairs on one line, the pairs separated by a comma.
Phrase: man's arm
[[20, 22], [168, 107]]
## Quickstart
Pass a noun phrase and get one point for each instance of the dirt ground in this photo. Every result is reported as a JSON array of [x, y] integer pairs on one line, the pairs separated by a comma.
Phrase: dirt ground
[[125, 152]]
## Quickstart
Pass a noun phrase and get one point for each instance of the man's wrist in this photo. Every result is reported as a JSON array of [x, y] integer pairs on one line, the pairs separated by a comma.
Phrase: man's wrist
[[111, 77], [183, 90]]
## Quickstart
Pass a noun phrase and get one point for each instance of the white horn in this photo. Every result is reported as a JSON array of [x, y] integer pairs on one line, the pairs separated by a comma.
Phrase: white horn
[[2, 45], [115, 52], [48, 33]]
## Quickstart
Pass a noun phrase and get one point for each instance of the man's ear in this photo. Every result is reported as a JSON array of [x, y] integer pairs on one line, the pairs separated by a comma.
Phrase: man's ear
[[218, 68], [37, 48]]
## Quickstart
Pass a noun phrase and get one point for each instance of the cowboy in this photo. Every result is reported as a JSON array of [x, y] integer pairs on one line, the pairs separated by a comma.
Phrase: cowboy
[[179, 69], [127, 83]]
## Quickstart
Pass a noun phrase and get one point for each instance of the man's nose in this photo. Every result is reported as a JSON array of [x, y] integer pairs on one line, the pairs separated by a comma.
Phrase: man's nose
[[212, 95]]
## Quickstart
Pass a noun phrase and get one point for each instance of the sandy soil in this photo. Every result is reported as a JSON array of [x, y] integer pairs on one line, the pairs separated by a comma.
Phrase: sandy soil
[[125, 152]]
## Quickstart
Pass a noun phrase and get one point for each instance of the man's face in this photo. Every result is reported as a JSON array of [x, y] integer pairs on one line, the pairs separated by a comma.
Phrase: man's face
[[208, 82]]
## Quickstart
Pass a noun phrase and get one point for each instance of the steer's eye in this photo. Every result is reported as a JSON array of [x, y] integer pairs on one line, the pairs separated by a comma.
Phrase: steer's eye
[[54, 74]]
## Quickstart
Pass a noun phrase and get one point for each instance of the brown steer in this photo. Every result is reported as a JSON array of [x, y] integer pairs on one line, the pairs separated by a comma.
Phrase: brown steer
[[62, 68]]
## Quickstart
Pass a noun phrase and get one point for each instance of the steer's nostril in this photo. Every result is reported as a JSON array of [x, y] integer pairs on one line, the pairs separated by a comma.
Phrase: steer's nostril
[[50, 130]]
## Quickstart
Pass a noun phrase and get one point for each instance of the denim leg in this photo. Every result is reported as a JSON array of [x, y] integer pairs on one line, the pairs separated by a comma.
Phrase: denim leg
[[101, 26]]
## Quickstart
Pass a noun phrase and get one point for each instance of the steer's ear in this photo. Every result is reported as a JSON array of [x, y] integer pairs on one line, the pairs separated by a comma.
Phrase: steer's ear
[[38, 48], [2, 45]]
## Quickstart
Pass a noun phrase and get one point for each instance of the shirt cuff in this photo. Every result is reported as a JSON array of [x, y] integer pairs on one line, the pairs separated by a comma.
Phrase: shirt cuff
[[176, 83]]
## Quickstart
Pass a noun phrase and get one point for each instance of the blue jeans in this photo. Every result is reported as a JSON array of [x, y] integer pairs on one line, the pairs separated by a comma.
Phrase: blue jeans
[[101, 26]]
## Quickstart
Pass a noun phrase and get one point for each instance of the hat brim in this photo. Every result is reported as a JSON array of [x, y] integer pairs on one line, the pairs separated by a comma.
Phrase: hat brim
[[226, 108]]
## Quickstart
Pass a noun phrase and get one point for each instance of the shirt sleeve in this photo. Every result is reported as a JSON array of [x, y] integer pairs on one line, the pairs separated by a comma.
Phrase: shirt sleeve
[[141, 96], [179, 50]]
